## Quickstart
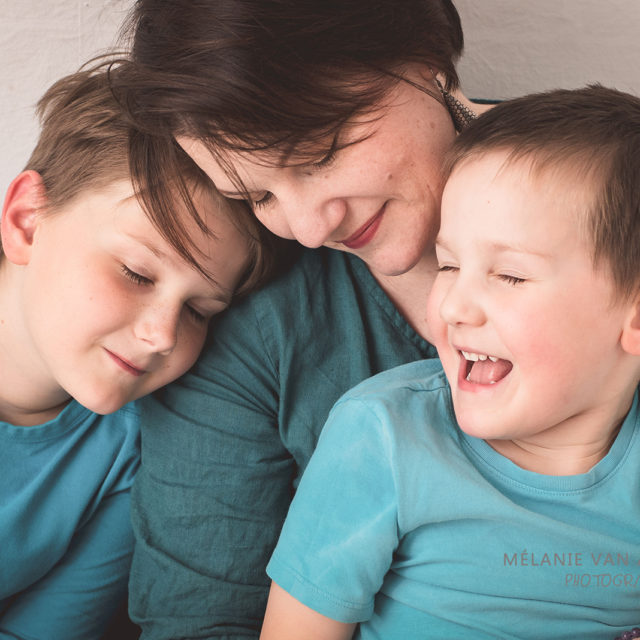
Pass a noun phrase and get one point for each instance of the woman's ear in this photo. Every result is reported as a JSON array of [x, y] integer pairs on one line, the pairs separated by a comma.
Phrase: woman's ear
[[23, 204], [630, 339]]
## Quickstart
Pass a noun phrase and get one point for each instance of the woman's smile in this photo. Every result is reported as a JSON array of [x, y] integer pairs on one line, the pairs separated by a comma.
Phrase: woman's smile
[[366, 232], [385, 185]]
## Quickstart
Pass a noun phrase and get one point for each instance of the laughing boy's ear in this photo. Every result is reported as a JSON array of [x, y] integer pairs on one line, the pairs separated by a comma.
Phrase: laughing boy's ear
[[23, 203], [630, 339]]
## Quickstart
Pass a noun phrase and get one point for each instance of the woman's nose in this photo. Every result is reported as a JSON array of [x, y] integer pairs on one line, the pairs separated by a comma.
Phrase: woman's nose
[[313, 221]]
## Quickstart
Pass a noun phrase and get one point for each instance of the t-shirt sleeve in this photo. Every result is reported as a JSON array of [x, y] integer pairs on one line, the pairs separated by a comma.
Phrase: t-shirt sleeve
[[77, 598], [341, 532]]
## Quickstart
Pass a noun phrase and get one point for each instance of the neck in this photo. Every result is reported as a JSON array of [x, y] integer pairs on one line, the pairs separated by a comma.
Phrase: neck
[[573, 447], [28, 395], [409, 292]]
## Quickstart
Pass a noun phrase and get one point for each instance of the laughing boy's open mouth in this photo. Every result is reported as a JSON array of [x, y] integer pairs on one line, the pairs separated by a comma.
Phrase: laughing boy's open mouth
[[480, 368]]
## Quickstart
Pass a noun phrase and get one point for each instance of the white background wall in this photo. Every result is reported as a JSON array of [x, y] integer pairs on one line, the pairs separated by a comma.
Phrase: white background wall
[[41, 40], [512, 47], [518, 46]]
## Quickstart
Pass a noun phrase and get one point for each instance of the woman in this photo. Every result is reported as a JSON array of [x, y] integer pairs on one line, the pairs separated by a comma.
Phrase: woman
[[332, 118]]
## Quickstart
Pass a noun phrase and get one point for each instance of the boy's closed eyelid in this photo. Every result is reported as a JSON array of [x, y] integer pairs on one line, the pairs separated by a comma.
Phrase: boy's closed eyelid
[[136, 277], [197, 315], [511, 279], [211, 304], [447, 268]]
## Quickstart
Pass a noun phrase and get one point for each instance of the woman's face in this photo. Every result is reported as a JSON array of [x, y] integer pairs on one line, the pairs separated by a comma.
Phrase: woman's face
[[378, 199]]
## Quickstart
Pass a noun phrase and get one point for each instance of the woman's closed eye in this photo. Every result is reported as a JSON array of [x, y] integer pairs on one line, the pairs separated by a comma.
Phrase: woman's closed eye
[[264, 201], [325, 162]]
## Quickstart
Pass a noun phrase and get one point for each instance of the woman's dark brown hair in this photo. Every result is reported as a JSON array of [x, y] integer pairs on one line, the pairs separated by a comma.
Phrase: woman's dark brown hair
[[263, 74], [283, 75]]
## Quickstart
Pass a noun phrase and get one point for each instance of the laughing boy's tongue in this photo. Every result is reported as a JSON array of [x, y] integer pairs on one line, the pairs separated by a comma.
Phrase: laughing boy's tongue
[[488, 372]]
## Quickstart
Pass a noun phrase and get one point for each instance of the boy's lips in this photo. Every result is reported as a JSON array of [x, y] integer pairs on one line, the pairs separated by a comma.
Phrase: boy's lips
[[365, 233], [481, 369], [125, 364]]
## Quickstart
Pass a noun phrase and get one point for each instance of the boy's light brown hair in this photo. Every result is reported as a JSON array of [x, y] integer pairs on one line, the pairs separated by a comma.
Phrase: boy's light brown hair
[[589, 135], [87, 143]]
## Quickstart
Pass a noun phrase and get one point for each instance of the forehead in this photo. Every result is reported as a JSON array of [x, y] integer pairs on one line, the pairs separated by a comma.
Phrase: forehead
[[397, 119], [526, 178], [217, 167], [220, 248], [491, 193], [221, 231]]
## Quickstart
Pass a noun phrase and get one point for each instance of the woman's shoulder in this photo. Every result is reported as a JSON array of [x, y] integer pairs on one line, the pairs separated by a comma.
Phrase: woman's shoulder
[[327, 311], [318, 270], [321, 285]]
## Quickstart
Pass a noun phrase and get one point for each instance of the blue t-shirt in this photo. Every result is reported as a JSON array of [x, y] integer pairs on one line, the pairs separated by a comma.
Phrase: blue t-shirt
[[65, 532], [405, 522]]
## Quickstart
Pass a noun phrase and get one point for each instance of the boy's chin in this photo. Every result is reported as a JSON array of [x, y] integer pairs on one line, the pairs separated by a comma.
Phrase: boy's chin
[[476, 424], [104, 404]]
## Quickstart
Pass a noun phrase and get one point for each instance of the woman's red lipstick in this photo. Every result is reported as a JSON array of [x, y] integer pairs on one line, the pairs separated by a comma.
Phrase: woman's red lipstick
[[365, 233]]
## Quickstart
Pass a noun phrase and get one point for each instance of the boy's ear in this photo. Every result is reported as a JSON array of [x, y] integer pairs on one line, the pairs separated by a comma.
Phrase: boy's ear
[[630, 339], [23, 205]]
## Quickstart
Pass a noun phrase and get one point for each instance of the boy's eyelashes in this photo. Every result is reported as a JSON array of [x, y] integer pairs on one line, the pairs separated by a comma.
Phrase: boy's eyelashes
[[506, 277], [196, 315], [511, 279], [135, 277], [143, 281]]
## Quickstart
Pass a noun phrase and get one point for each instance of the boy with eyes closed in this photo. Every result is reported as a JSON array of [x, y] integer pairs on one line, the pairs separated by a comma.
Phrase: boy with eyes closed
[[101, 302], [525, 439]]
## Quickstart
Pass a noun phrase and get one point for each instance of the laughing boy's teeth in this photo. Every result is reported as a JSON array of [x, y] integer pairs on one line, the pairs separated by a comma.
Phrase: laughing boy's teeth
[[474, 357]]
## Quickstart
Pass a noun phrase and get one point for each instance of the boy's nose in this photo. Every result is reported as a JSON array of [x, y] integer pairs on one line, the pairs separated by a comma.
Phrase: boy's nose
[[461, 305], [158, 328]]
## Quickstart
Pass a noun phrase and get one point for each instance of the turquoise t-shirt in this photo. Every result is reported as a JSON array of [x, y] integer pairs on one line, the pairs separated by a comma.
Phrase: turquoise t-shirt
[[406, 524], [65, 532]]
